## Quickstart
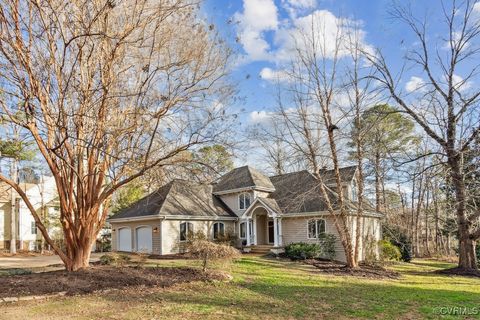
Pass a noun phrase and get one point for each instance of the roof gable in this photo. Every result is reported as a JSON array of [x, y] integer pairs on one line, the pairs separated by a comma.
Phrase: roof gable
[[241, 178]]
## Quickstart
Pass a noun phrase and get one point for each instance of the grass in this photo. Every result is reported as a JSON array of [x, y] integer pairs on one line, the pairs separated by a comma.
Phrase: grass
[[273, 289]]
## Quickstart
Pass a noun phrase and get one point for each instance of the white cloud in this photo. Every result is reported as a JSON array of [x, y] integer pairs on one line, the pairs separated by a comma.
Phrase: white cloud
[[296, 7], [460, 84], [258, 16], [476, 8], [260, 116], [273, 75], [415, 84], [326, 29], [261, 16]]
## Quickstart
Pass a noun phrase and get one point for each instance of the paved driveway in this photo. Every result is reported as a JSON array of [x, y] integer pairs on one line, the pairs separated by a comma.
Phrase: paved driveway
[[35, 261]]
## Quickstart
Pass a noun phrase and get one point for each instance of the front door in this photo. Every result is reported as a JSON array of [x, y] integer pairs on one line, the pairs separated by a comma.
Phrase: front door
[[270, 232]]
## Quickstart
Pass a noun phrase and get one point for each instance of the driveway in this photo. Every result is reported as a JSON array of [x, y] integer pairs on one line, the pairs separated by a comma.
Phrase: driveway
[[36, 261]]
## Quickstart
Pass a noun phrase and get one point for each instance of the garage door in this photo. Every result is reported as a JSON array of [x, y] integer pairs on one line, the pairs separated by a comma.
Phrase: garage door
[[124, 239], [144, 239]]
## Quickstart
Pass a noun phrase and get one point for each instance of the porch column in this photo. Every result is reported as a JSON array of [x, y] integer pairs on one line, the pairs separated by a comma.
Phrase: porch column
[[280, 234], [255, 230], [275, 232], [248, 232]]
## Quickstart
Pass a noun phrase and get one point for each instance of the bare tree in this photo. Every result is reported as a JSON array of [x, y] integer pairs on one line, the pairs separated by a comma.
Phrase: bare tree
[[108, 90], [444, 105], [313, 117]]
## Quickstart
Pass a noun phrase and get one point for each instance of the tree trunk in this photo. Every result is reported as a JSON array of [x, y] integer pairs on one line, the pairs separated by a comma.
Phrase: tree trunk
[[378, 197], [466, 250], [79, 256], [13, 208]]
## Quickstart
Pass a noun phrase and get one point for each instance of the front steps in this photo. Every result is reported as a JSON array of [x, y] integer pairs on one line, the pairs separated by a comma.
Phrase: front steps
[[263, 249]]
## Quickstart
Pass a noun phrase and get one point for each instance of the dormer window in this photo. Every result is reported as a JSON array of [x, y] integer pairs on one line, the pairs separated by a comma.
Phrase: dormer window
[[244, 201], [354, 192]]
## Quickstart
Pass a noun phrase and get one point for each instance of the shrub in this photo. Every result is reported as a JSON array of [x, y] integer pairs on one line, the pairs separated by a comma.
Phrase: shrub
[[400, 239], [389, 252], [208, 251], [327, 246], [302, 250], [324, 248], [116, 259]]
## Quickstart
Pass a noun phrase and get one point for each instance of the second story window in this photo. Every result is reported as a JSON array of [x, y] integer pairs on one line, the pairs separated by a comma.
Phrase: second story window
[[354, 191], [243, 201]]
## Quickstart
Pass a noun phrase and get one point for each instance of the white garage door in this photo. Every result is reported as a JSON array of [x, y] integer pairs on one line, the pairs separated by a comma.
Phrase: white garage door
[[124, 239], [144, 239]]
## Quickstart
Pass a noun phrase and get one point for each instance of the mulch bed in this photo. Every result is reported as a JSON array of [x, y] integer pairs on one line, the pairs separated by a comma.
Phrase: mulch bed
[[363, 271], [98, 278], [459, 272]]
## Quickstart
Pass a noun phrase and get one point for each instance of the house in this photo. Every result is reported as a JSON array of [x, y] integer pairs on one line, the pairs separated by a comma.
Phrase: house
[[263, 212], [43, 197]]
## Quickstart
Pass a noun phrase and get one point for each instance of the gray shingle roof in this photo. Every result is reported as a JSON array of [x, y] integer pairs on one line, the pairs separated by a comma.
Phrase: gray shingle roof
[[271, 203], [346, 174], [297, 192], [243, 177], [178, 197]]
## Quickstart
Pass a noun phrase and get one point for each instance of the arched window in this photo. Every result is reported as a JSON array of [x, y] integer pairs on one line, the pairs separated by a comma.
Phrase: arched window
[[243, 201], [186, 230], [218, 230], [316, 228]]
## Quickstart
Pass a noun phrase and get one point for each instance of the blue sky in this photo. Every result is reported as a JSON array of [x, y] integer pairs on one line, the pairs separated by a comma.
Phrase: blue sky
[[267, 18]]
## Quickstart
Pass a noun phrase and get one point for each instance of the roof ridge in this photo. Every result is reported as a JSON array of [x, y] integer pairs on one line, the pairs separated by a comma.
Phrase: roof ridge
[[289, 173], [171, 183]]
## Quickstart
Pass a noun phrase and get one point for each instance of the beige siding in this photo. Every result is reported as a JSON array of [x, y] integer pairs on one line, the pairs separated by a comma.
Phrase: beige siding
[[5, 218], [231, 200], [156, 240], [296, 230], [167, 239], [171, 233]]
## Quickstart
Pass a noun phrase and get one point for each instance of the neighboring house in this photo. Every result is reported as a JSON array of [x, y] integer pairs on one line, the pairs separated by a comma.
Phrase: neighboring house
[[43, 197], [263, 212]]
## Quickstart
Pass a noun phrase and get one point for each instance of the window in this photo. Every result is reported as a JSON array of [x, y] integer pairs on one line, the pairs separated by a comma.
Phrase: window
[[218, 230], [33, 228], [243, 230], [244, 201], [316, 227], [186, 230], [354, 192]]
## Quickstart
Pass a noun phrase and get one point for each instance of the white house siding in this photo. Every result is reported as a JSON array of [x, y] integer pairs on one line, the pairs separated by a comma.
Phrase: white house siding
[[231, 200], [171, 233], [156, 236]]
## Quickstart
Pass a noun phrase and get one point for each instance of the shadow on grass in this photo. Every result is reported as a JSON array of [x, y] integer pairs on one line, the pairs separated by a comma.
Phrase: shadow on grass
[[273, 288]]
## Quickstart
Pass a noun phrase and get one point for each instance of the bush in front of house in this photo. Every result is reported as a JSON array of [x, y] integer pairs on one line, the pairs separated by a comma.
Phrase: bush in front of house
[[389, 252], [115, 259], [207, 251], [302, 250], [324, 248], [327, 245]]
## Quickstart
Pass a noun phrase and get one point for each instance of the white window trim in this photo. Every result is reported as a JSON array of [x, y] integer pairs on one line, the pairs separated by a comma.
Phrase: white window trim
[[249, 199], [240, 230], [213, 229], [186, 231], [316, 230]]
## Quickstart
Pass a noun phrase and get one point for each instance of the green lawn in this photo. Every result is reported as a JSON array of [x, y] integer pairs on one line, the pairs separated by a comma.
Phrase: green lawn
[[273, 289]]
